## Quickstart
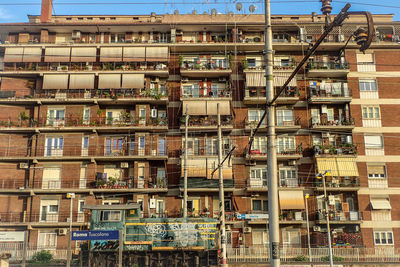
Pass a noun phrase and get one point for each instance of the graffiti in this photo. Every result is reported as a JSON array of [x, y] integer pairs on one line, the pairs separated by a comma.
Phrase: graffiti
[[104, 226], [156, 229], [186, 233], [137, 247], [104, 245]]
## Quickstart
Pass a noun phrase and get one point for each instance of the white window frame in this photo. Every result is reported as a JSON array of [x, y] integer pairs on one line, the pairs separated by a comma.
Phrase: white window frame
[[254, 115], [371, 112], [375, 175], [287, 237], [264, 238], [85, 145], [53, 214], [288, 181], [56, 146], [259, 173], [284, 116], [112, 213], [54, 118], [368, 85], [53, 182], [285, 144], [86, 116], [47, 239], [373, 145], [383, 236]]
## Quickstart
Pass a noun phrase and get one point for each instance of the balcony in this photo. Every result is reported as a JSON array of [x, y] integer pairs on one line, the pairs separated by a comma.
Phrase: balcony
[[198, 123], [339, 239], [339, 217], [43, 219], [327, 69], [260, 153], [340, 149], [205, 67], [336, 124], [206, 185], [339, 184], [283, 124], [257, 96], [329, 93]]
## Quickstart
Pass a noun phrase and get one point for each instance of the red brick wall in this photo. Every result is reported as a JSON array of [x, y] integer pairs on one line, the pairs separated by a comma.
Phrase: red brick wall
[[20, 86]]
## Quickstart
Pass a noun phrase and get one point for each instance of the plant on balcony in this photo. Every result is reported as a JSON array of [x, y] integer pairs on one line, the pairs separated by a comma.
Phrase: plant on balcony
[[110, 120], [300, 258], [245, 64], [42, 257], [335, 258]]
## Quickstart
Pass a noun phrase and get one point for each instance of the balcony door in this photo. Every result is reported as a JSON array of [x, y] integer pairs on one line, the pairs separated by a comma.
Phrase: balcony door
[[49, 211]]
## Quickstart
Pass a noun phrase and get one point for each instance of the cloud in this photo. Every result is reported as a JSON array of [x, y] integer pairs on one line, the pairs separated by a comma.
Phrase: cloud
[[5, 14]]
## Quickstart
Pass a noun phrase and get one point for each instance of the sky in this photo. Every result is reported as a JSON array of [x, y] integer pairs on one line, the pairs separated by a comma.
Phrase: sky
[[17, 10]]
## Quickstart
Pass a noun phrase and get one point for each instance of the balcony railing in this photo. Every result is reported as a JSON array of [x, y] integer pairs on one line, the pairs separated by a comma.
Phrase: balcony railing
[[334, 90], [315, 122], [341, 149], [23, 217], [340, 216], [261, 92], [262, 183], [327, 66], [203, 121], [205, 64], [340, 182], [338, 240], [281, 151], [281, 121]]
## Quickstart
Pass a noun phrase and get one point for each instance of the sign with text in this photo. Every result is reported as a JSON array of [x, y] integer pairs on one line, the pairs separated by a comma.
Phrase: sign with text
[[95, 235], [12, 236], [252, 216]]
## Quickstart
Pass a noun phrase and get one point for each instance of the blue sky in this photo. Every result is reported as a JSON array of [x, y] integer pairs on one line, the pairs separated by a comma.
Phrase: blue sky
[[17, 13]]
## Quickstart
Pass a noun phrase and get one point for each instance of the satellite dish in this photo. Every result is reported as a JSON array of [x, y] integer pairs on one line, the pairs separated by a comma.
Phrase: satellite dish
[[176, 12], [213, 12], [239, 6], [252, 8], [194, 12]]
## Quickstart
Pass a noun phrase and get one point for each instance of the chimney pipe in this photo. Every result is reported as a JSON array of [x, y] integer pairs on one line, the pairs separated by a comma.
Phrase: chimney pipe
[[47, 7]]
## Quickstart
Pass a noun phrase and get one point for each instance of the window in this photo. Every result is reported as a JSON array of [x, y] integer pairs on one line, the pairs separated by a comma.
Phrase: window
[[284, 117], [49, 210], [254, 115], [371, 112], [368, 86], [54, 146], [86, 116], [114, 146], [286, 144], [51, 177], [251, 62], [47, 239], [193, 146], [288, 177], [260, 238], [259, 174], [85, 145], [291, 238], [110, 215], [81, 203], [376, 171], [228, 205], [383, 238], [190, 90], [260, 205], [373, 141], [259, 145], [56, 117]]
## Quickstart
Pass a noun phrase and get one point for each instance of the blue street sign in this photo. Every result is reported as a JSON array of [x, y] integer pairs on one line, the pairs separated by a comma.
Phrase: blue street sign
[[95, 235]]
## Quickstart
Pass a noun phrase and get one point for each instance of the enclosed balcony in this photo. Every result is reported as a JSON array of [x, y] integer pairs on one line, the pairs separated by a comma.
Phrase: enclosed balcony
[[340, 217], [341, 238], [324, 92], [339, 184], [205, 66], [327, 66], [285, 121], [195, 89]]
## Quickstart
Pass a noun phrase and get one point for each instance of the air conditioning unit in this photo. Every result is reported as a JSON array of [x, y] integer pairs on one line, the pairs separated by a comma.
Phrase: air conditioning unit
[[246, 230], [124, 165], [341, 38], [154, 113], [316, 228], [23, 165], [62, 231], [76, 34]]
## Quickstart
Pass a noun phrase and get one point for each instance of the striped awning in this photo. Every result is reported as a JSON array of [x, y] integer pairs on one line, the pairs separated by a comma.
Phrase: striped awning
[[347, 166], [255, 79], [380, 204], [291, 199], [327, 164], [109, 81], [32, 54], [205, 167], [156, 53], [83, 54], [280, 77], [55, 81], [207, 107], [134, 54], [81, 81], [110, 54], [224, 107], [194, 107], [57, 54], [133, 81], [13, 54]]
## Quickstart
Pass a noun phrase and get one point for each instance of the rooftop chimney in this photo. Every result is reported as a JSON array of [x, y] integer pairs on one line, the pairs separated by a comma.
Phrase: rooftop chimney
[[47, 7]]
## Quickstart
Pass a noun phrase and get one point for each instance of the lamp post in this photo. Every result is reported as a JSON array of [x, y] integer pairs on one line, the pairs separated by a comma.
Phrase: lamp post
[[322, 176], [71, 196], [308, 228]]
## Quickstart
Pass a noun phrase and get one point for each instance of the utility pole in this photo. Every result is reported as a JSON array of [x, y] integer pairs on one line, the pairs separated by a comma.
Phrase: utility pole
[[221, 193], [185, 168], [70, 196], [273, 207], [308, 229]]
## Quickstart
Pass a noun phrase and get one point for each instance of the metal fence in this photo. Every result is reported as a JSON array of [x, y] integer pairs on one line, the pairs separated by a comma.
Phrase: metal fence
[[261, 254], [16, 251]]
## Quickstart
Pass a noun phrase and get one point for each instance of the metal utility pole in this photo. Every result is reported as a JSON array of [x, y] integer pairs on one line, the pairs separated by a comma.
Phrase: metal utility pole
[[273, 207], [221, 193], [308, 229], [328, 228], [70, 196], [25, 249], [185, 168]]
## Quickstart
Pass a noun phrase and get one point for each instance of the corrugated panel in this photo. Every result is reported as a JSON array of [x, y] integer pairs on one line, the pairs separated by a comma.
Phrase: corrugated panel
[[55, 81], [57, 54], [327, 164], [156, 53], [133, 81], [224, 107], [347, 166], [109, 81], [13, 54], [110, 54], [83, 54], [381, 204], [81, 81], [255, 79], [291, 199], [195, 107], [32, 54], [136, 54]]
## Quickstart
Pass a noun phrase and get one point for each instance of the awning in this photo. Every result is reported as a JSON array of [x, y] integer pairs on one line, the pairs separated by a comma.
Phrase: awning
[[13, 54], [255, 79], [156, 53], [32, 54], [291, 199], [57, 54], [81, 81], [83, 54], [327, 164], [136, 54], [195, 107], [204, 168], [347, 166], [55, 81], [109, 81], [376, 169], [381, 204], [224, 108], [133, 81], [110, 54], [280, 77]]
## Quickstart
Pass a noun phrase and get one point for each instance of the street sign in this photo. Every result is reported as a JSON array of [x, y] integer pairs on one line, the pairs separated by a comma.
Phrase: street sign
[[252, 216], [12, 236], [95, 235]]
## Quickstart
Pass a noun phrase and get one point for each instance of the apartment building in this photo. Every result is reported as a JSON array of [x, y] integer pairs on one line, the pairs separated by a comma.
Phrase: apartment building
[[95, 105]]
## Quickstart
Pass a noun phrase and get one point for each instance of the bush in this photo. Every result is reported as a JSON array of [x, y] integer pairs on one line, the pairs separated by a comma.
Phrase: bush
[[335, 258], [43, 256], [300, 258]]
